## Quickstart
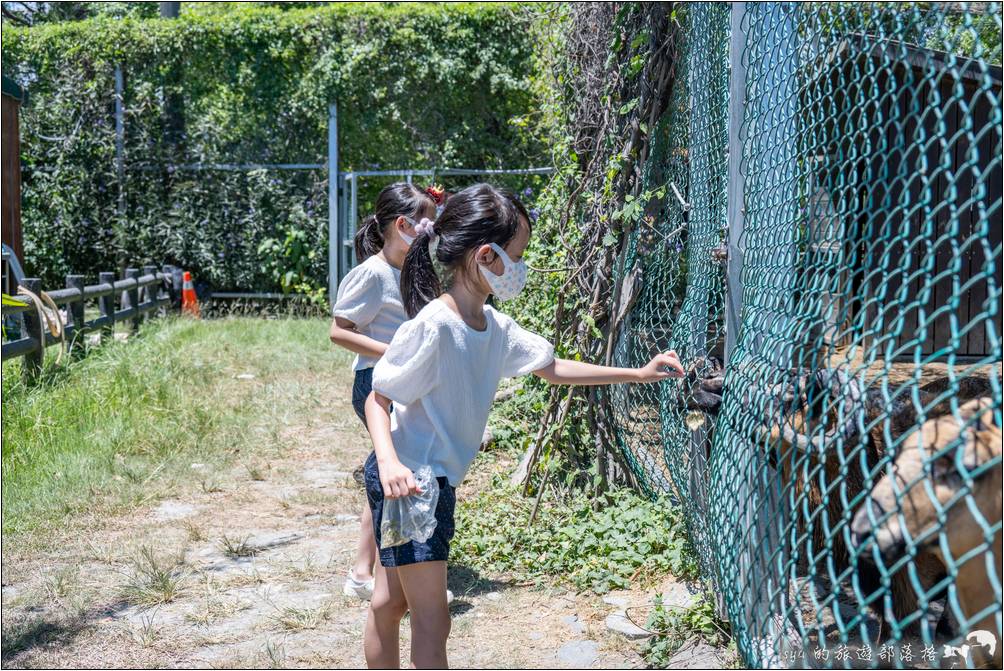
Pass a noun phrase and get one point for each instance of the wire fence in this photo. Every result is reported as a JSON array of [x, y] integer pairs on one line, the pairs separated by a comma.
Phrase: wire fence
[[831, 230]]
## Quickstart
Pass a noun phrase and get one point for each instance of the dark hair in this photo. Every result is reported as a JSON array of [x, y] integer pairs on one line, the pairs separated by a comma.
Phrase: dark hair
[[397, 200], [476, 216]]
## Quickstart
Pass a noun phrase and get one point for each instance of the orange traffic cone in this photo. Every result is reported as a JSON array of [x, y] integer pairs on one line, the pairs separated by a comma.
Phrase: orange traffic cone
[[189, 302]]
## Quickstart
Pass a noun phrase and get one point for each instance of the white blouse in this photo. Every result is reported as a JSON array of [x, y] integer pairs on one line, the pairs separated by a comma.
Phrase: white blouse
[[442, 376], [370, 298]]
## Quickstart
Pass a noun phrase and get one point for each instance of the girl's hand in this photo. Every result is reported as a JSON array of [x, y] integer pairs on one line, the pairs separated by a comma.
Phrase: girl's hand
[[397, 479], [661, 367]]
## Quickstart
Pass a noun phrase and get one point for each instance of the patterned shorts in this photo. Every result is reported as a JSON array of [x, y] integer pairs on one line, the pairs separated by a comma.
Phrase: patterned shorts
[[437, 548]]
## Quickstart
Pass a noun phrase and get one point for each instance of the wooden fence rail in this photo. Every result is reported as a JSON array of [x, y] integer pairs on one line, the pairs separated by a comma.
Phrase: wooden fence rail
[[139, 295]]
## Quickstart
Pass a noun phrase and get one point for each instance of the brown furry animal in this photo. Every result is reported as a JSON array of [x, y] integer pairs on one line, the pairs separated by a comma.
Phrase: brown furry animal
[[821, 423], [901, 512]]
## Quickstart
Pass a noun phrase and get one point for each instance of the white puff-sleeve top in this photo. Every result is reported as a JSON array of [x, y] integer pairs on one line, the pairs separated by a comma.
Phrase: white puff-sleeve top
[[370, 297], [442, 376]]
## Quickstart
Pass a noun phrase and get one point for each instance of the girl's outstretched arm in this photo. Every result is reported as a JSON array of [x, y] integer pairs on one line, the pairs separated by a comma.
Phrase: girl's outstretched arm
[[344, 334], [565, 371], [396, 478]]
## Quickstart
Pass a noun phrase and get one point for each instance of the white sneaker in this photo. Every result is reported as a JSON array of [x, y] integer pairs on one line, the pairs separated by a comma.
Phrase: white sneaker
[[361, 589]]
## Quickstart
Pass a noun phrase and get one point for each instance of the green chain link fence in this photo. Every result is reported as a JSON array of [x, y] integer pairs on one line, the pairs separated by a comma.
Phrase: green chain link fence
[[831, 227]]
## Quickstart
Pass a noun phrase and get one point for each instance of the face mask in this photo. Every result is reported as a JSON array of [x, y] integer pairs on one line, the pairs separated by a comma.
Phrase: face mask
[[408, 239], [512, 280]]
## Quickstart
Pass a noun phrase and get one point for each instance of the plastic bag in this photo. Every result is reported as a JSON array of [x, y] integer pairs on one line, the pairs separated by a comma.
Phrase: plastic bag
[[411, 518]]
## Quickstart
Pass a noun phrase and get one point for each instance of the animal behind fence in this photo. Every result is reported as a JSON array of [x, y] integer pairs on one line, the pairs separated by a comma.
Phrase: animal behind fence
[[846, 458]]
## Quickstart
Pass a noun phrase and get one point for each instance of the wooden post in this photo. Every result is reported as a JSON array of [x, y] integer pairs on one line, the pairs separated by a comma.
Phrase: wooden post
[[152, 291], [34, 328], [76, 313], [106, 306], [130, 298]]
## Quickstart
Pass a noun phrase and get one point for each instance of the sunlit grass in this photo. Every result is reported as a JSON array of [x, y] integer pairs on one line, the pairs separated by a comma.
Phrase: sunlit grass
[[124, 425]]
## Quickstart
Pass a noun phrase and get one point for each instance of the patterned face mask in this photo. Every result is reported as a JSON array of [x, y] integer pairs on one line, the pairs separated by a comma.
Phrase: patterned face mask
[[512, 280]]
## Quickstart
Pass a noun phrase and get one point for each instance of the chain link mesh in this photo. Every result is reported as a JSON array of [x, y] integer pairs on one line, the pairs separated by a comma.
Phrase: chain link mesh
[[843, 487]]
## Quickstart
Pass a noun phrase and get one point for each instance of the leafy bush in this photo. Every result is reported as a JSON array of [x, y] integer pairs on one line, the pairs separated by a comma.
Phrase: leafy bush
[[629, 538], [416, 85]]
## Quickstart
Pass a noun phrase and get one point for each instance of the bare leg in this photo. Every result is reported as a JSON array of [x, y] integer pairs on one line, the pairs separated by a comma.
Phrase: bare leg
[[424, 585], [366, 549], [381, 642]]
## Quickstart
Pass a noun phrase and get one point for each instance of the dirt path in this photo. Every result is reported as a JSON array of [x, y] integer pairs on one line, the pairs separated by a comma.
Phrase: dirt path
[[253, 558]]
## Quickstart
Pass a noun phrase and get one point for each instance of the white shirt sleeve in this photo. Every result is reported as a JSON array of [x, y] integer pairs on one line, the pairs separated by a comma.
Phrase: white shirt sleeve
[[360, 296], [408, 369], [525, 351]]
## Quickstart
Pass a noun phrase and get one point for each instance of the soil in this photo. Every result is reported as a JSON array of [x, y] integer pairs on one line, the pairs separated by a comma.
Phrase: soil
[[254, 556]]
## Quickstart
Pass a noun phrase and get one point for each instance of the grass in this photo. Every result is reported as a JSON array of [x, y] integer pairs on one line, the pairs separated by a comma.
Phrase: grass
[[216, 605], [237, 548], [123, 426], [291, 619], [153, 579]]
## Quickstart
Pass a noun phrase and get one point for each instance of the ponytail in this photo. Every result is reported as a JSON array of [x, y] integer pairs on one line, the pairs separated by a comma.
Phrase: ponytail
[[396, 200], [419, 281], [369, 238], [478, 215]]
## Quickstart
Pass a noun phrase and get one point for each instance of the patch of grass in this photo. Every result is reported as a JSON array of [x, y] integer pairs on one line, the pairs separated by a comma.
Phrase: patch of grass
[[308, 568], [256, 471], [153, 579], [275, 653], [291, 619], [216, 608], [630, 538], [120, 427], [252, 578], [195, 532], [237, 548], [62, 583], [146, 633]]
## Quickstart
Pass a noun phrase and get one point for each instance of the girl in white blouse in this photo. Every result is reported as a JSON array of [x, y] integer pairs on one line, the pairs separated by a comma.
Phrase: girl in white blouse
[[367, 313], [440, 372]]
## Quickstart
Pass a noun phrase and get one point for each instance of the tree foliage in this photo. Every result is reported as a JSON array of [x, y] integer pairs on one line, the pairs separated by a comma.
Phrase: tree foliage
[[416, 86]]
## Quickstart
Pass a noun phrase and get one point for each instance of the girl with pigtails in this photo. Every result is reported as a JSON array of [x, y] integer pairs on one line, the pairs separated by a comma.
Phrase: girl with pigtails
[[368, 311], [432, 392]]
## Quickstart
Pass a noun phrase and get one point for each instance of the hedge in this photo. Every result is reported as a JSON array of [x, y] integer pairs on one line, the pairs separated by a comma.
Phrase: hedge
[[417, 85]]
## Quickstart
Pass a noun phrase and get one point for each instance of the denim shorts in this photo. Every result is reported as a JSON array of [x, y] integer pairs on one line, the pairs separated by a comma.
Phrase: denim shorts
[[361, 388], [436, 548]]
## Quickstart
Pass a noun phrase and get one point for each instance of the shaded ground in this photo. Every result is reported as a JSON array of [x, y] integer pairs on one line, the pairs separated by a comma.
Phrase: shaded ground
[[243, 566]]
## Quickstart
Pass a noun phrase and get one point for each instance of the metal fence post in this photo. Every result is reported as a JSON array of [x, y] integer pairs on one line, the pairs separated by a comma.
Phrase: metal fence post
[[120, 136], [106, 305], [353, 221], [736, 211], [34, 328], [130, 298], [737, 579], [76, 312], [334, 239]]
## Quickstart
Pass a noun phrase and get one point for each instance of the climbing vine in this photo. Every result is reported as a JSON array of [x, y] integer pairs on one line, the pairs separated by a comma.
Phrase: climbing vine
[[417, 85], [607, 70]]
